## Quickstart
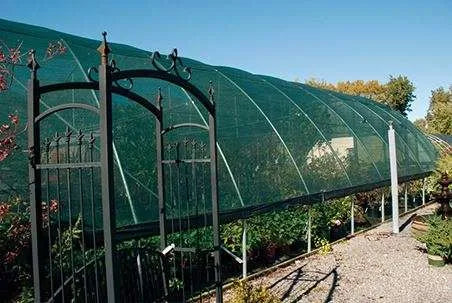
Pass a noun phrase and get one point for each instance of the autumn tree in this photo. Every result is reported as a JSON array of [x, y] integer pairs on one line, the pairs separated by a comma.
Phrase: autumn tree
[[439, 115], [397, 93]]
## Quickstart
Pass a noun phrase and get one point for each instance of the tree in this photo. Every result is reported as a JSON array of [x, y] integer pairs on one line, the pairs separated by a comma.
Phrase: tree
[[399, 94], [439, 115]]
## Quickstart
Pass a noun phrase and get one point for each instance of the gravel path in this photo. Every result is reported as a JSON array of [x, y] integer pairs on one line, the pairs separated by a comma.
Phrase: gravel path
[[375, 266]]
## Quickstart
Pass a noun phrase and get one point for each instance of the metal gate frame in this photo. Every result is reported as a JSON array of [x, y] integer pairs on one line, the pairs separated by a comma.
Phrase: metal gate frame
[[108, 83]]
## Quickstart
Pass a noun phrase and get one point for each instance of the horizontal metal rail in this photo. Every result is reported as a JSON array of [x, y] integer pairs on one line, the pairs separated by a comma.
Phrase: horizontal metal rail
[[181, 125], [67, 165], [186, 161]]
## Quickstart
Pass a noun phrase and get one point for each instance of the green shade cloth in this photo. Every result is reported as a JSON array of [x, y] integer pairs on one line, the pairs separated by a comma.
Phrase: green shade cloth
[[279, 142]]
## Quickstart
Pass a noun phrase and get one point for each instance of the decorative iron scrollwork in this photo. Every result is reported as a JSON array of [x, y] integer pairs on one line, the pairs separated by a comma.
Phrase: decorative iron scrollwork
[[174, 61], [90, 74], [113, 69]]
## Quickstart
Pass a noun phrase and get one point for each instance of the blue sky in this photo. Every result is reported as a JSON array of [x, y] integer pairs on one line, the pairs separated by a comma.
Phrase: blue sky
[[330, 40]]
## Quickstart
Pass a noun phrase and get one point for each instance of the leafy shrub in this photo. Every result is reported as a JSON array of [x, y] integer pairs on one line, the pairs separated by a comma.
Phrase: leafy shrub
[[438, 237], [325, 214], [246, 292]]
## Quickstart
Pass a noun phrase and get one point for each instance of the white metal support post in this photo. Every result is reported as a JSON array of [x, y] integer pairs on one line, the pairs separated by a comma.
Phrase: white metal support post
[[394, 180], [423, 191], [382, 207], [309, 229], [405, 197], [244, 257], [352, 221]]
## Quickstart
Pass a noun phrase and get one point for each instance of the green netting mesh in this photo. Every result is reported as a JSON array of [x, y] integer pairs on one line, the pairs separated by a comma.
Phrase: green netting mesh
[[277, 140]]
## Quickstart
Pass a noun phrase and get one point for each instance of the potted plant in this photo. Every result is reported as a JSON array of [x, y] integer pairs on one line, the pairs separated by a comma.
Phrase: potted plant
[[438, 239]]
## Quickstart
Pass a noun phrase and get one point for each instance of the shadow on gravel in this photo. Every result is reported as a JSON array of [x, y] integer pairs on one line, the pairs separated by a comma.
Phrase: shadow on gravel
[[299, 283]]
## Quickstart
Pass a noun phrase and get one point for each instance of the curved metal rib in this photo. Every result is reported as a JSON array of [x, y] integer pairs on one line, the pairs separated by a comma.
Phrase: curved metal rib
[[271, 125], [228, 168], [346, 125], [61, 107], [315, 126], [181, 125], [362, 117], [387, 123]]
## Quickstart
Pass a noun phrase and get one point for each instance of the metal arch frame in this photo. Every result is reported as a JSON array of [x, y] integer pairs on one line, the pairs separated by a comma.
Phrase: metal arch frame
[[109, 75]]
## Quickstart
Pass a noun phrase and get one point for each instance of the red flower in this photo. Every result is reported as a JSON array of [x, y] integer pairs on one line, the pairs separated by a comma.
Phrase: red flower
[[3, 83], [10, 256], [13, 118], [14, 55], [4, 210], [53, 205], [2, 56]]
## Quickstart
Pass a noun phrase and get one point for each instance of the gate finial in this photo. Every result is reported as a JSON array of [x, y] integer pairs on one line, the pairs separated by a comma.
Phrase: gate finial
[[33, 65], [104, 49]]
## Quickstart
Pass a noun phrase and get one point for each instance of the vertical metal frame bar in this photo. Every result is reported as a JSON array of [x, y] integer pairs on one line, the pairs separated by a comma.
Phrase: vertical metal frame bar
[[352, 215], [107, 178], [34, 150], [160, 178], [215, 205], [382, 207], [161, 186]]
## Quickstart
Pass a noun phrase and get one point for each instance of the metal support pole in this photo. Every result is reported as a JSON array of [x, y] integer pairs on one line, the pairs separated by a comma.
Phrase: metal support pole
[[244, 256], [394, 180], [405, 197], [215, 204], [423, 191], [107, 177], [35, 176], [161, 190], [382, 207], [309, 229], [352, 221]]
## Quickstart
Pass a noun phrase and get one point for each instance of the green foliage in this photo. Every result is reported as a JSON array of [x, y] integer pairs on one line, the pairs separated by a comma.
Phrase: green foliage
[[325, 246], [400, 93], [438, 237], [26, 295], [397, 93], [325, 214], [444, 164], [246, 292], [439, 116]]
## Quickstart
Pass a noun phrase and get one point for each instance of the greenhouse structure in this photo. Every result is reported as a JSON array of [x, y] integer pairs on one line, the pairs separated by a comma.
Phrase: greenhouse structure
[[276, 144]]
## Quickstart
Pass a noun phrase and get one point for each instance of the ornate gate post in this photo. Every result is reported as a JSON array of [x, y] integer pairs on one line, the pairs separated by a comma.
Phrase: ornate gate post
[[35, 175], [161, 184], [106, 158], [215, 206]]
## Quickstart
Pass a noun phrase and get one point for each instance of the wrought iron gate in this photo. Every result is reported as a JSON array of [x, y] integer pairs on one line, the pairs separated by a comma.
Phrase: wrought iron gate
[[74, 233]]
